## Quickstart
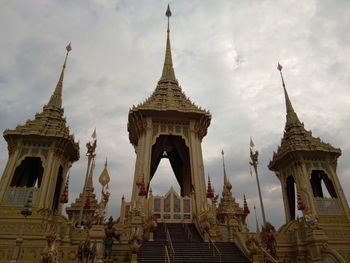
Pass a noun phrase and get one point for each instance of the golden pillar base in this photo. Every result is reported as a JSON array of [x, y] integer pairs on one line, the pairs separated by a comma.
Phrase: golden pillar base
[[133, 258]]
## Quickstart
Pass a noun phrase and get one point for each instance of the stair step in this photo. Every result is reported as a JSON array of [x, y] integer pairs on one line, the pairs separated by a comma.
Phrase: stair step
[[194, 250]]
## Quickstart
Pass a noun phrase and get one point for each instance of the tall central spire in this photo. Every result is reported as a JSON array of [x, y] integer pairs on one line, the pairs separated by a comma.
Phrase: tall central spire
[[292, 117], [168, 74], [56, 97]]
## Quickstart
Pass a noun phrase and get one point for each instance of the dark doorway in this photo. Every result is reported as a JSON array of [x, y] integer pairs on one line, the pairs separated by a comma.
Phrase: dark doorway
[[290, 185], [59, 181], [321, 185], [29, 173], [174, 149]]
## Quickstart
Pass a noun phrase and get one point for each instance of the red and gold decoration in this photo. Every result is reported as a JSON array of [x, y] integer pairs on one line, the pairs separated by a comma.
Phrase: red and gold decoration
[[210, 191], [246, 210]]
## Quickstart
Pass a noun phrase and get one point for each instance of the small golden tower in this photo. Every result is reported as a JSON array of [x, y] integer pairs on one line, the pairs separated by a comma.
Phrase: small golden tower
[[169, 125], [307, 169], [308, 165], [40, 154]]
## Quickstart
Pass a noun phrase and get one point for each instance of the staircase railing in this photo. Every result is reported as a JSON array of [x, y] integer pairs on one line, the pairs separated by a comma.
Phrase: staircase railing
[[271, 258], [166, 258], [169, 242], [187, 231], [215, 248]]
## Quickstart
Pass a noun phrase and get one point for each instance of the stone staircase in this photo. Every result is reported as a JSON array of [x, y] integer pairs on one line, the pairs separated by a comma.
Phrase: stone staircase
[[187, 247]]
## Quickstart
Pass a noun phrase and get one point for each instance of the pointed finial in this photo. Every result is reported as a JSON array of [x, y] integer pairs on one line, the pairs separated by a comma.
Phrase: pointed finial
[[246, 210], [223, 164], [93, 135], [168, 12], [210, 192], [291, 115], [251, 144], [56, 97], [168, 74]]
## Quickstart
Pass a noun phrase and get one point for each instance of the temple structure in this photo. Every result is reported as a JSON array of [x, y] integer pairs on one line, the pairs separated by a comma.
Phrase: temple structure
[[194, 225], [307, 169]]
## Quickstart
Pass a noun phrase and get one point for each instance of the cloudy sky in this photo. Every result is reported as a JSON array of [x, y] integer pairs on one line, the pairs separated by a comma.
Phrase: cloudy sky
[[225, 55]]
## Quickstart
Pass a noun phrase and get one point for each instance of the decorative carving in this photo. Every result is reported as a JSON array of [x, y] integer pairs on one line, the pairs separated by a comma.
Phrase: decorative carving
[[86, 251], [135, 240], [311, 221], [49, 255], [253, 245], [100, 211], [12, 147], [268, 238]]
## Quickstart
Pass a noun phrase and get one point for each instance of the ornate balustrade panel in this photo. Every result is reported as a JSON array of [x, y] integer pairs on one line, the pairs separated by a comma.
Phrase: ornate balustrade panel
[[329, 206], [171, 207], [19, 195]]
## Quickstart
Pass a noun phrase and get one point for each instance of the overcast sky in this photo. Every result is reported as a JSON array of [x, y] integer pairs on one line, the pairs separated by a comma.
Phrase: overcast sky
[[225, 55]]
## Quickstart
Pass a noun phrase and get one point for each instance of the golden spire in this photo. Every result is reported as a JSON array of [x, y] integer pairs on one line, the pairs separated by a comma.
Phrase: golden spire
[[292, 117], [227, 183], [223, 165], [56, 97], [168, 74]]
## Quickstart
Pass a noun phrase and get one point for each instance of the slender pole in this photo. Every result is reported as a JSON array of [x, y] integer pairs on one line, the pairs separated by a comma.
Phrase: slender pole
[[260, 196], [84, 197], [91, 156], [254, 155]]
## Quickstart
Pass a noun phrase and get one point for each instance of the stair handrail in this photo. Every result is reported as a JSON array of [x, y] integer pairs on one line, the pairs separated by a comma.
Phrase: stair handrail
[[268, 255], [169, 241], [166, 258], [214, 247], [187, 231]]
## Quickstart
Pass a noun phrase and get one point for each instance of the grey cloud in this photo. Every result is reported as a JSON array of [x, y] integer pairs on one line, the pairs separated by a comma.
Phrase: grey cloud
[[116, 61]]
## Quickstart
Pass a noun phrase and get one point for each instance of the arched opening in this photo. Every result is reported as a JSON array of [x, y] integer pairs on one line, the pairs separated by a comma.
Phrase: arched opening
[[29, 173], [290, 185], [57, 193], [321, 185], [175, 150], [164, 178]]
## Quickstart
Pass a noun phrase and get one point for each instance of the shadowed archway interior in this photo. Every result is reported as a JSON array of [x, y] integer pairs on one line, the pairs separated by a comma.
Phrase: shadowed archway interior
[[175, 149]]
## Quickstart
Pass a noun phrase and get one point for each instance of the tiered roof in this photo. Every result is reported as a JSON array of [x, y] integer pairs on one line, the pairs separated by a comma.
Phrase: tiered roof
[[296, 137], [49, 123], [167, 97]]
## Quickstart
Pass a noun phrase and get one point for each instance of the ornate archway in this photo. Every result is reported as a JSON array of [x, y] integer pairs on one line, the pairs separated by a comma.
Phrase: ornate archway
[[173, 148]]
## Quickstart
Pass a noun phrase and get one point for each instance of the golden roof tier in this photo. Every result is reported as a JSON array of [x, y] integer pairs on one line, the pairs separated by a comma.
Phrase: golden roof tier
[[167, 99], [296, 137], [49, 123]]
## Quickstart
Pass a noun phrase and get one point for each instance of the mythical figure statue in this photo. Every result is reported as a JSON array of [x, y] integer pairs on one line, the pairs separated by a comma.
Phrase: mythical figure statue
[[254, 156], [91, 148], [312, 221], [100, 212], [110, 233], [49, 255], [253, 244], [152, 223], [135, 241], [86, 252], [268, 238]]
